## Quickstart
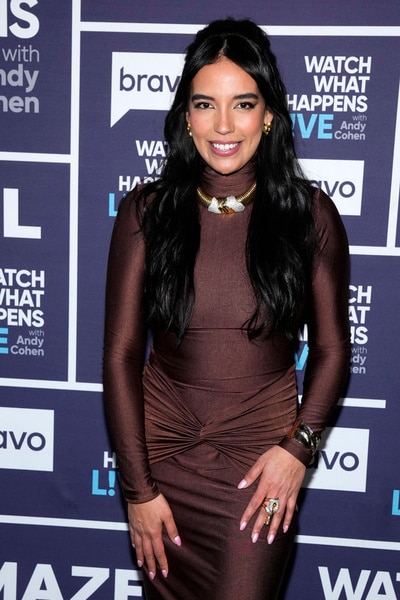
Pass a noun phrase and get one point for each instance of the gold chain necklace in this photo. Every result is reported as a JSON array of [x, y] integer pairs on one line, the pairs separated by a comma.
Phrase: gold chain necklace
[[226, 206]]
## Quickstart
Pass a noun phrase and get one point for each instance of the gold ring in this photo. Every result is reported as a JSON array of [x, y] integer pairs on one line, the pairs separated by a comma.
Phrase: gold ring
[[271, 506]]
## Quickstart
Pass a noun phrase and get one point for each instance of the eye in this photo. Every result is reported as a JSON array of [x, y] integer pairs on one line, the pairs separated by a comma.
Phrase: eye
[[202, 105], [246, 105]]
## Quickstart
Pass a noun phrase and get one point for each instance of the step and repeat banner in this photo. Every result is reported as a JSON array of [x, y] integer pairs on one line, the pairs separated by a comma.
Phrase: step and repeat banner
[[84, 89]]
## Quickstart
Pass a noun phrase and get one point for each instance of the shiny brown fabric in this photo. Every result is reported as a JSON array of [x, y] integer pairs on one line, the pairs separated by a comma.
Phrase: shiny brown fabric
[[192, 420]]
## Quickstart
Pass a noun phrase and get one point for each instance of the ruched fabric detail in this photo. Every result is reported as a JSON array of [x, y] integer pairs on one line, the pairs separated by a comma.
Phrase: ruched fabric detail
[[242, 424]]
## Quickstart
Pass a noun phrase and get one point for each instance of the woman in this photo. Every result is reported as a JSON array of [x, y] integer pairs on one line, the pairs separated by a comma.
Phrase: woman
[[224, 258]]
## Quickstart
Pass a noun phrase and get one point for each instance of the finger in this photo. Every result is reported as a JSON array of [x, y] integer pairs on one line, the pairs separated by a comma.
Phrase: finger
[[149, 557], [132, 535], [251, 508], [172, 531], [160, 557], [274, 526], [258, 526], [250, 476], [137, 545], [139, 552], [290, 508]]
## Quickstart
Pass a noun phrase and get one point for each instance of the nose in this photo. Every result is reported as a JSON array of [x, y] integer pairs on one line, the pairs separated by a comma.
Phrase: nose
[[223, 122]]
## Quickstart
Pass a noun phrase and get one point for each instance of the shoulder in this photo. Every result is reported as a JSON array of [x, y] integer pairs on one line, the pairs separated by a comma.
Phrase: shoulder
[[133, 205], [132, 200], [323, 206], [328, 221]]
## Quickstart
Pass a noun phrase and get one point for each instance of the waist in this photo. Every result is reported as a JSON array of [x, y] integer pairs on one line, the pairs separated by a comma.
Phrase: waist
[[234, 421], [221, 355]]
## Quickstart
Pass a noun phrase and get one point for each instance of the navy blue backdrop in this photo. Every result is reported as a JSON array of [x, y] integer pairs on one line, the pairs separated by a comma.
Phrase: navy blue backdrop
[[84, 86]]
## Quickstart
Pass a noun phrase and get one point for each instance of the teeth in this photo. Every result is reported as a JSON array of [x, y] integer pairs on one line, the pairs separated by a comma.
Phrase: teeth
[[224, 146]]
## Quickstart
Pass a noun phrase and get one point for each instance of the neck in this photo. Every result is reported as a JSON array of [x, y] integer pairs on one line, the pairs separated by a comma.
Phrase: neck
[[233, 184]]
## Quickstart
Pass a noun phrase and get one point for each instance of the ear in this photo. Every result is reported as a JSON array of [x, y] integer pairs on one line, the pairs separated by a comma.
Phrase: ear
[[268, 116]]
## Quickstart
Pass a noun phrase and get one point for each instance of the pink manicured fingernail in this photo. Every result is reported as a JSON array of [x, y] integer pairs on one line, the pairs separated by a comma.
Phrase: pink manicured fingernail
[[164, 572], [242, 484], [178, 540], [243, 525], [271, 539], [151, 575], [139, 564], [286, 529], [254, 537]]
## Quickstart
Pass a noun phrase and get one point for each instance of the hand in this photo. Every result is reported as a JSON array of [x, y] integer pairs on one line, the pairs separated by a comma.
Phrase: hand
[[281, 476], [145, 526]]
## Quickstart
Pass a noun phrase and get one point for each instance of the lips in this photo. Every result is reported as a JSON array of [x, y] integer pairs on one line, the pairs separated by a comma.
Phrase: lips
[[224, 150]]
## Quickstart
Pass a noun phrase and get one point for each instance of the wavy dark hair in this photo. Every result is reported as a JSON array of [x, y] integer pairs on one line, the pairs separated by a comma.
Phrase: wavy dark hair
[[281, 226]]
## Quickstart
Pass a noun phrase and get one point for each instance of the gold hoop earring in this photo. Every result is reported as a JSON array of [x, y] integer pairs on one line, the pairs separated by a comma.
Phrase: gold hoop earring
[[189, 129], [267, 127]]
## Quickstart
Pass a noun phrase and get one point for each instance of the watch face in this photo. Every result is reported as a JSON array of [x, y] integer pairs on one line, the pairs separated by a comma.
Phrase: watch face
[[303, 437]]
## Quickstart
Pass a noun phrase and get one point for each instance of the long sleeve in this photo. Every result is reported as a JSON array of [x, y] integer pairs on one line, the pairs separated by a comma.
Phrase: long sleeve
[[328, 324], [124, 354]]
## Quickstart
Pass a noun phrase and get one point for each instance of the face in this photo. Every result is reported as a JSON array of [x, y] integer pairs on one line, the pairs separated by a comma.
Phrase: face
[[226, 113]]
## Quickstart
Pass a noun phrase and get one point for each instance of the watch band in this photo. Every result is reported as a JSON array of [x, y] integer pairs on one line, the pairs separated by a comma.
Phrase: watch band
[[305, 435]]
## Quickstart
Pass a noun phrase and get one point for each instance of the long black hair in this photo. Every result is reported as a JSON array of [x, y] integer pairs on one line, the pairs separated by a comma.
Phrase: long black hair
[[281, 225]]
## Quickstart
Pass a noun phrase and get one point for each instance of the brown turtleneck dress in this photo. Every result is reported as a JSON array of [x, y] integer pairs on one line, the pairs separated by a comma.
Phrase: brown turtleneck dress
[[198, 415]]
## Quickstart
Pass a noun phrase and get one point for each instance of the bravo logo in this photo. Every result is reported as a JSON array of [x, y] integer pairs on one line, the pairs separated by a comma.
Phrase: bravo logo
[[26, 439], [143, 81], [342, 180], [367, 586], [341, 462]]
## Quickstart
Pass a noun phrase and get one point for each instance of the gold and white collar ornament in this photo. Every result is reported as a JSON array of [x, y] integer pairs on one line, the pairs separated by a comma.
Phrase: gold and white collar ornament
[[226, 206]]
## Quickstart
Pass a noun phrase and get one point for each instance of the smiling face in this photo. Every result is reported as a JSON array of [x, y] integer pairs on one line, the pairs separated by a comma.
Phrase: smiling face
[[226, 113]]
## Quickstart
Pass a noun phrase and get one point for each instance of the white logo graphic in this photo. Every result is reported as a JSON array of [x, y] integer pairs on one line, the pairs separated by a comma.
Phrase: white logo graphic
[[341, 462], [367, 584], [47, 581], [24, 25], [342, 180], [26, 439], [143, 81], [11, 225]]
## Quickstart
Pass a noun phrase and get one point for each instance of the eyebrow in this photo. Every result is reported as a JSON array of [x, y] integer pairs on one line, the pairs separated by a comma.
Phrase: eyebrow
[[246, 96]]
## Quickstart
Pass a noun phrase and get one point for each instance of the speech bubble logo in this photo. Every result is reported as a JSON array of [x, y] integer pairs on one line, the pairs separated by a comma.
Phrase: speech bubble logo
[[341, 462], [26, 439], [143, 81], [342, 180]]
